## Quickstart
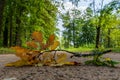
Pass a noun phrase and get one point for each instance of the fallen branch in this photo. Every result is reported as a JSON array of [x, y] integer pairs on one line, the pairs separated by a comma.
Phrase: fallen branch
[[92, 54], [76, 54]]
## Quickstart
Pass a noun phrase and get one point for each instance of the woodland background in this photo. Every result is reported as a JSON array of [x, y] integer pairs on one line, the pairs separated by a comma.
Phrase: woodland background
[[92, 28]]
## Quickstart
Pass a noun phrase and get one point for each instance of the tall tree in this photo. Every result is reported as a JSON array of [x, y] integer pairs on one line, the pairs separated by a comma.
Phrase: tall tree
[[2, 5], [101, 15]]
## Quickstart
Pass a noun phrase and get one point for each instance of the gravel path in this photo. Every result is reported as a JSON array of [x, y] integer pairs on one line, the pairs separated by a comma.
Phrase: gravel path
[[82, 72]]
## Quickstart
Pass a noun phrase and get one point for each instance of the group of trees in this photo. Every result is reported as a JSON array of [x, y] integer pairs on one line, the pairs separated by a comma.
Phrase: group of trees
[[93, 26], [19, 18], [79, 30]]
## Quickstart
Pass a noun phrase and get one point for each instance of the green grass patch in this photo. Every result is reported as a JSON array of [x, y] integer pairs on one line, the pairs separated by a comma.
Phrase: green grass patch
[[80, 49], [6, 51], [89, 49], [116, 50]]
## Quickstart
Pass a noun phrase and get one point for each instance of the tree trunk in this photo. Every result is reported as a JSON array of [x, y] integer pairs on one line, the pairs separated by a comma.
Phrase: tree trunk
[[108, 45], [2, 4], [10, 35], [11, 27], [98, 29], [5, 34], [99, 24], [97, 37], [18, 33], [74, 35]]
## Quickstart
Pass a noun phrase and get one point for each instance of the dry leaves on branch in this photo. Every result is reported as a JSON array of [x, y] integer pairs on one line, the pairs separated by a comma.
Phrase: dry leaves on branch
[[41, 56]]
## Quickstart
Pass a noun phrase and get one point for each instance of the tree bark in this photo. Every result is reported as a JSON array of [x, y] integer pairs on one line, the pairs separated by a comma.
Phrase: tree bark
[[2, 4], [108, 45], [97, 37], [5, 34], [11, 30], [74, 36], [11, 26], [18, 33]]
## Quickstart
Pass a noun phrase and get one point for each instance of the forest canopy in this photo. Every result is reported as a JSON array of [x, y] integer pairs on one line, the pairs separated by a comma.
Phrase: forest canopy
[[19, 18], [98, 24], [93, 26]]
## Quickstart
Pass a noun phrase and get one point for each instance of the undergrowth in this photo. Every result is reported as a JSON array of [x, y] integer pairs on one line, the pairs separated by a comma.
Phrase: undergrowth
[[80, 49], [6, 51], [89, 49], [99, 60]]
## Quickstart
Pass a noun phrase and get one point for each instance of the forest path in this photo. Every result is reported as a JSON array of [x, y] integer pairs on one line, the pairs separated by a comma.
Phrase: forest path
[[82, 72], [6, 58]]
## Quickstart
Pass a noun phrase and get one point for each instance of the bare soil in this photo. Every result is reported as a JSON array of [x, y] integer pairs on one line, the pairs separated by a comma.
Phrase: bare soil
[[81, 72]]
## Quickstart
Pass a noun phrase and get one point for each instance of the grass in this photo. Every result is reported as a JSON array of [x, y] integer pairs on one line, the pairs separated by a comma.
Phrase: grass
[[88, 49], [80, 49], [6, 51], [116, 50]]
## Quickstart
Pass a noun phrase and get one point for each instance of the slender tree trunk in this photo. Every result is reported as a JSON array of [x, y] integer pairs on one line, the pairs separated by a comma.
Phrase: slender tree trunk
[[97, 37], [18, 33], [74, 35], [5, 34], [98, 31], [11, 30], [99, 26], [2, 4], [108, 45], [11, 27]]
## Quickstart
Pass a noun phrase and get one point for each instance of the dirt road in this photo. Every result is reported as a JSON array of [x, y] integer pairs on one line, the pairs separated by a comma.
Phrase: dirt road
[[82, 72]]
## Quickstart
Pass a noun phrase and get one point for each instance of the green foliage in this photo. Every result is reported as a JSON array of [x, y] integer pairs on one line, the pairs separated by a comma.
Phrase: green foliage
[[22, 17], [98, 60], [81, 29]]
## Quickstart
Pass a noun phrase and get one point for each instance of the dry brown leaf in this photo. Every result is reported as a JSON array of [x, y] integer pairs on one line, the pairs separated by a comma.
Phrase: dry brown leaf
[[47, 58], [37, 36], [29, 57], [32, 44], [25, 55], [21, 52], [61, 58], [55, 45], [50, 40], [17, 63]]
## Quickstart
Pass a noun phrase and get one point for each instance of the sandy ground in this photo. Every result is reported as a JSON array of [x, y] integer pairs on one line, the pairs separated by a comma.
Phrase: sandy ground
[[81, 72]]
